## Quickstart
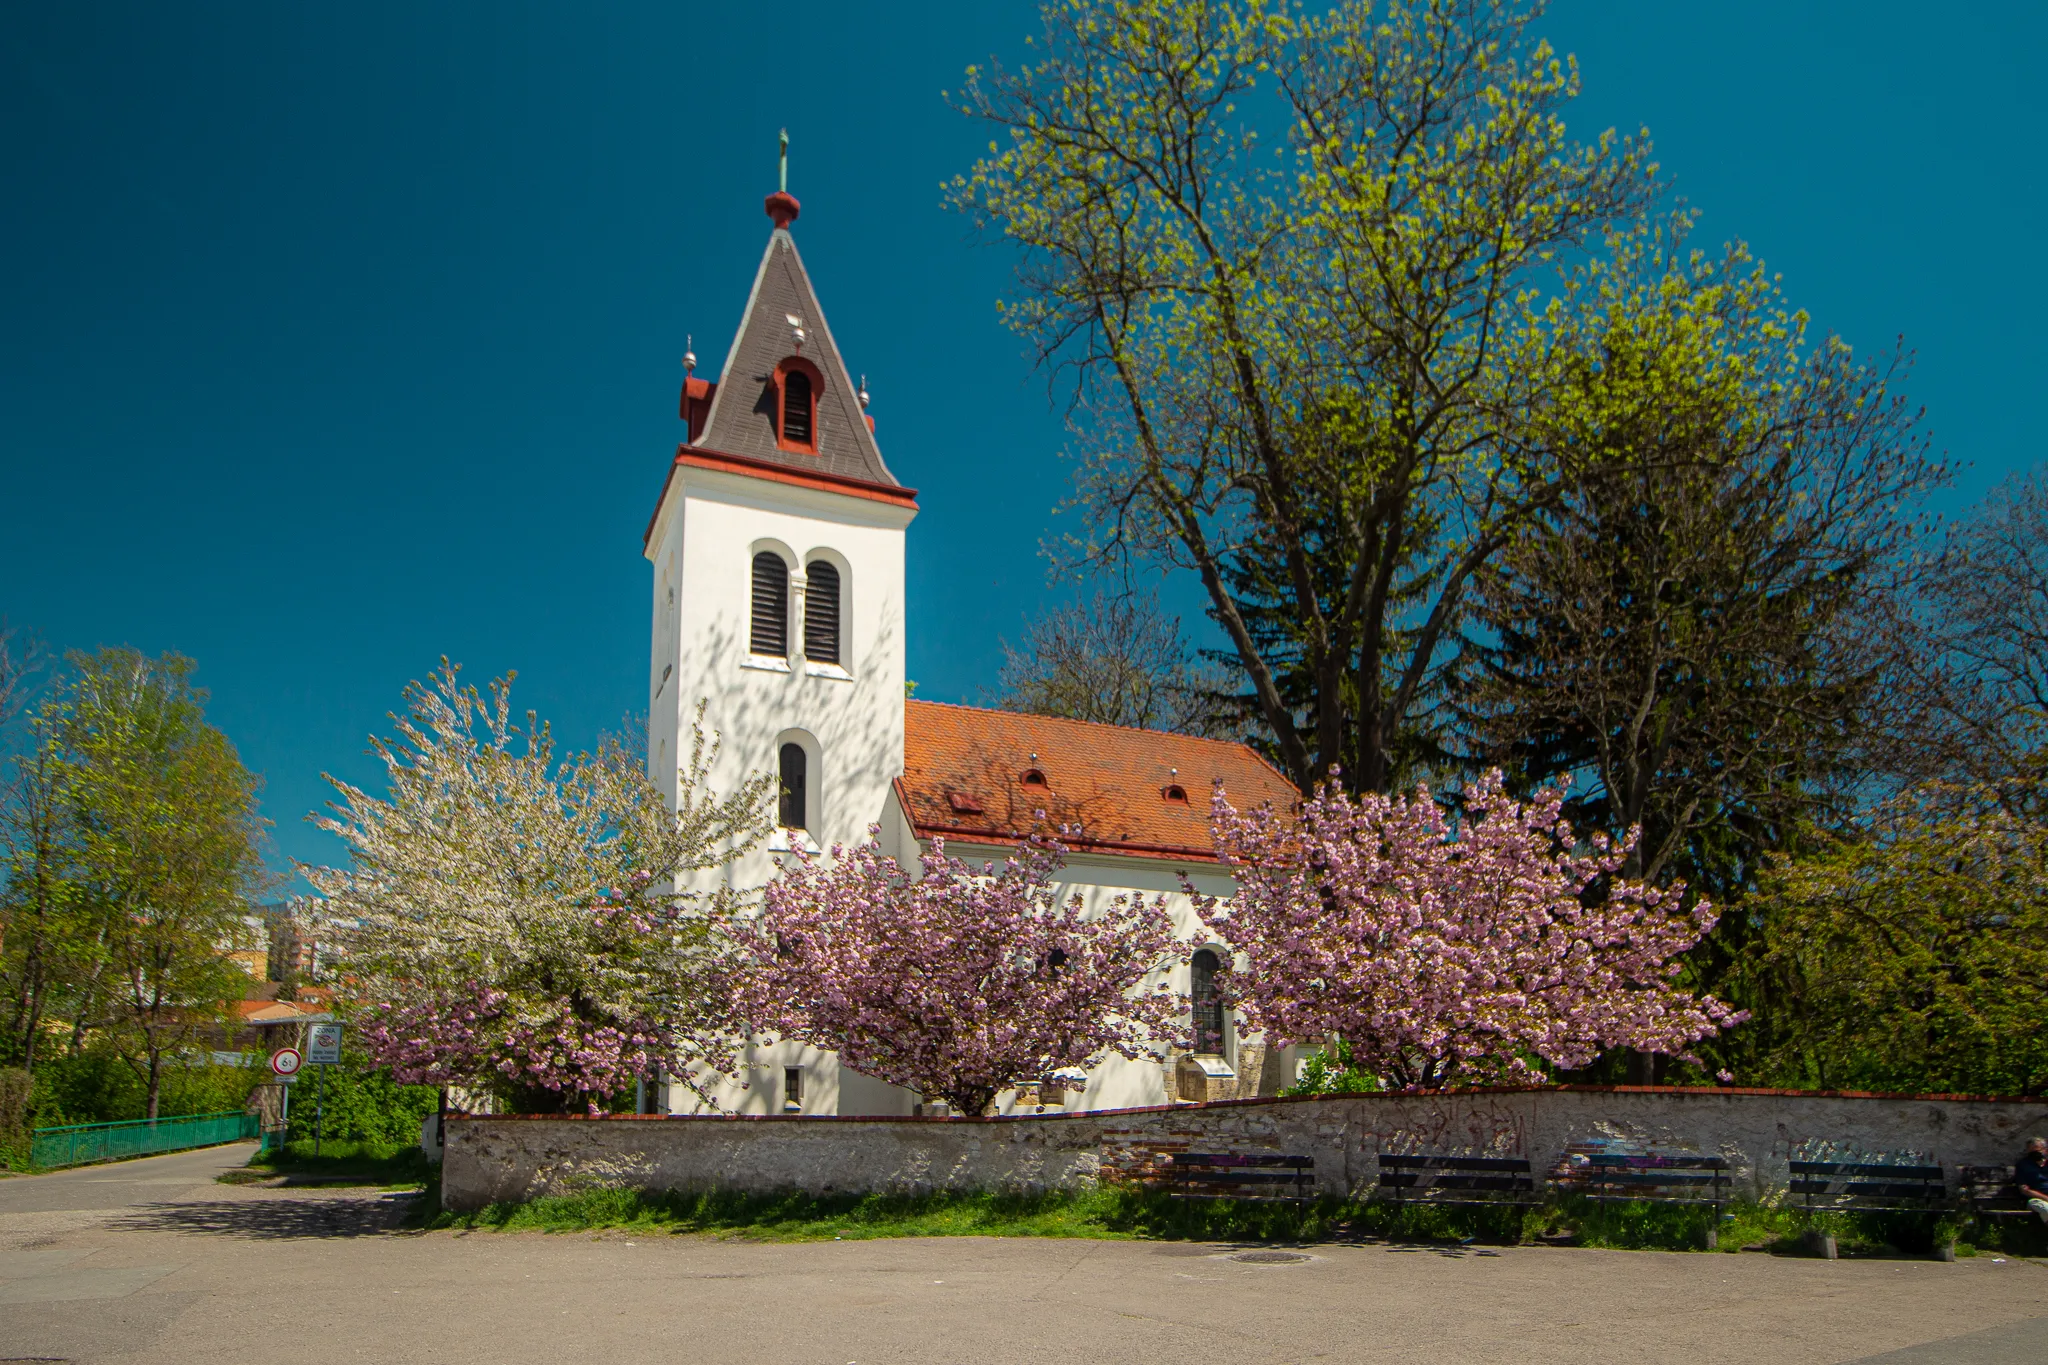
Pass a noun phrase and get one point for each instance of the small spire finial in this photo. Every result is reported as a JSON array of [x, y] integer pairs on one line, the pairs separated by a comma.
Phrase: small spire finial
[[689, 354], [782, 205], [863, 394]]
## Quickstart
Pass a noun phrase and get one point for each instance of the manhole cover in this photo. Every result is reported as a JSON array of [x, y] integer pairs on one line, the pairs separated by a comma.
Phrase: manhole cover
[[1270, 1257]]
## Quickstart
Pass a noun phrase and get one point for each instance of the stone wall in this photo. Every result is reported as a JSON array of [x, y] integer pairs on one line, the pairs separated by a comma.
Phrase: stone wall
[[504, 1158]]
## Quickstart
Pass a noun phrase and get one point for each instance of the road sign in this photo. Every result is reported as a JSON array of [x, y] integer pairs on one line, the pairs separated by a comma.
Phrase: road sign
[[286, 1061], [323, 1045]]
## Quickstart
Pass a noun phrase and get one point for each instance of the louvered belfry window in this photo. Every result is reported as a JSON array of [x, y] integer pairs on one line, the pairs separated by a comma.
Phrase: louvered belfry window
[[796, 407], [821, 613], [770, 631]]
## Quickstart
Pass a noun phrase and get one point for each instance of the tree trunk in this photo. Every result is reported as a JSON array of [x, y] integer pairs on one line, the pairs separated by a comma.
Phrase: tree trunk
[[156, 1081], [971, 1101]]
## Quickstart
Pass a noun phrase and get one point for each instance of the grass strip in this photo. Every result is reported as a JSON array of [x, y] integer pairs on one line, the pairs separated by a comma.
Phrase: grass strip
[[1127, 1213]]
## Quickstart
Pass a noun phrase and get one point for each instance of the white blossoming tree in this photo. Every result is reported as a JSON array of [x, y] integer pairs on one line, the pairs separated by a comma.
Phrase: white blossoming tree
[[523, 925]]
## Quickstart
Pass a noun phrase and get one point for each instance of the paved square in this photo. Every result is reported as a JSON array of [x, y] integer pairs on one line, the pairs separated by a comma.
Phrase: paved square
[[152, 1262]]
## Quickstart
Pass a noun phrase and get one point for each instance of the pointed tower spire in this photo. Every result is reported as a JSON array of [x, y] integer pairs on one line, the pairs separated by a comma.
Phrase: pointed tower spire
[[784, 395]]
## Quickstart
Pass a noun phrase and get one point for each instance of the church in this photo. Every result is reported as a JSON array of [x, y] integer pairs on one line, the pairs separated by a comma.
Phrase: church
[[777, 554]]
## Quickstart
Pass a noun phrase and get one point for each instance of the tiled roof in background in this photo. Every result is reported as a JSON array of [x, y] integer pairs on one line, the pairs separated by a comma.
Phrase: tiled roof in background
[[964, 769]]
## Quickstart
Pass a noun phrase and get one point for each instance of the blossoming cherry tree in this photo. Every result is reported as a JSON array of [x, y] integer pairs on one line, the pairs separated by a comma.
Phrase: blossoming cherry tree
[[961, 981], [521, 925], [1442, 956]]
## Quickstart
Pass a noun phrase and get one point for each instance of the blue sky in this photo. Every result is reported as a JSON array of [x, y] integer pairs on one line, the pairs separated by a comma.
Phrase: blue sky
[[339, 338]]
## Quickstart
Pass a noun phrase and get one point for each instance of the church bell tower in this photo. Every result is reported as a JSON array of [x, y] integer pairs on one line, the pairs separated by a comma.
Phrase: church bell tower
[[777, 556]]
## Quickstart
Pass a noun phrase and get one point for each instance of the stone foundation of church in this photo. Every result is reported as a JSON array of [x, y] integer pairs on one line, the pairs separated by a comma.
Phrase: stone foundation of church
[[500, 1158]]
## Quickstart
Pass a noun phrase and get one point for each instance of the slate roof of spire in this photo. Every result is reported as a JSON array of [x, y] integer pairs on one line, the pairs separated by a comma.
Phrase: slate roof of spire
[[742, 417]]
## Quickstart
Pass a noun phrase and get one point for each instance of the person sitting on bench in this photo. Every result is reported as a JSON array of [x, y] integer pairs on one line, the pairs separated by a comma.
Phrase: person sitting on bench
[[2030, 1173]]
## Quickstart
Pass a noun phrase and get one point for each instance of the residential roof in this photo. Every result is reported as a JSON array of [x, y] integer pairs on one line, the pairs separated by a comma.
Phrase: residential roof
[[265, 1012], [741, 420], [965, 770]]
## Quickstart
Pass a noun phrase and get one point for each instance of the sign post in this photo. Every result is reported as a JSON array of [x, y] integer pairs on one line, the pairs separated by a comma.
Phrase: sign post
[[323, 1049], [285, 1064]]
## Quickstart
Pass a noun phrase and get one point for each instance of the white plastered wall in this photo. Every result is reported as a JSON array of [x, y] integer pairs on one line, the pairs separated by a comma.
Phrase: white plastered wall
[[848, 717]]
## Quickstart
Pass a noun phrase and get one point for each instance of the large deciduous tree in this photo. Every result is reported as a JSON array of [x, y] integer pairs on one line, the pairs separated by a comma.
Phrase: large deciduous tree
[[1295, 267], [962, 980], [1115, 658], [1908, 952], [1444, 955], [1683, 634], [526, 926], [48, 943], [166, 855], [1972, 709]]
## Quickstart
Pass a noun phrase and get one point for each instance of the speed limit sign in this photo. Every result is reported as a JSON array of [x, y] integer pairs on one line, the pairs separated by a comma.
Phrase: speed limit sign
[[286, 1061]]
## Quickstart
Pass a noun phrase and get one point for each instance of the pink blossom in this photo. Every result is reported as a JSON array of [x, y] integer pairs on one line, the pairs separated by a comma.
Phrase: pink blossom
[[1441, 957], [959, 982]]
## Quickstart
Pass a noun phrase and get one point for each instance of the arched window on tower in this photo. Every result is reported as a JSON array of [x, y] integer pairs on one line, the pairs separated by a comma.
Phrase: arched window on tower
[[798, 413], [769, 630], [790, 812], [1208, 1005], [821, 613]]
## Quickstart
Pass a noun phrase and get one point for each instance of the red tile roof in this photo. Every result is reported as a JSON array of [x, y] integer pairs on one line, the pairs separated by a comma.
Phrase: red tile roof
[[276, 1011], [965, 770]]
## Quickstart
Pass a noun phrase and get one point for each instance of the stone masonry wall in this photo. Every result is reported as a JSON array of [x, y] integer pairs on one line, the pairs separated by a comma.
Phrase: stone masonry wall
[[505, 1158]]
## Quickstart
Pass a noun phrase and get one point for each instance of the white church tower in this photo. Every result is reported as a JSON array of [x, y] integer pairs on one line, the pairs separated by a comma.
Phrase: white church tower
[[777, 554], [777, 549]]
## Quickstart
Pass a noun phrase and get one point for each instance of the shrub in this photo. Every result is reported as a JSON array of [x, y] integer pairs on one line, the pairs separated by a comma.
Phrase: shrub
[[361, 1104]]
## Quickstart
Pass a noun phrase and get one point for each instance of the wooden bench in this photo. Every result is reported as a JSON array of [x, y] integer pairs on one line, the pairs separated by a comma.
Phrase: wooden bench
[[1990, 1192], [1872, 1186], [1619, 1177], [1225, 1175], [1432, 1178], [1658, 1179], [1868, 1187]]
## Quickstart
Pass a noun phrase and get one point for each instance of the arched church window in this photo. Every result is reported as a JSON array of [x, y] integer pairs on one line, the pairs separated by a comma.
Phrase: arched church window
[[798, 413], [790, 815], [769, 631], [1208, 1004], [821, 613]]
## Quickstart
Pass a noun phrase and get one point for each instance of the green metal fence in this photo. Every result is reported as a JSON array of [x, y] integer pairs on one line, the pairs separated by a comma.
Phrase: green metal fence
[[86, 1142]]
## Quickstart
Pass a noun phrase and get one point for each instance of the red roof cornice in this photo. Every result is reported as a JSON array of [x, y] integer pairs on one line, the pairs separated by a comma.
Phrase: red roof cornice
[[695, 457]]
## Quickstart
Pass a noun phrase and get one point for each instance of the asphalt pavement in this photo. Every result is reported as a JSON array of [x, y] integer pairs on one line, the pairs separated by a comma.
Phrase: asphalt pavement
[[152, 1261]]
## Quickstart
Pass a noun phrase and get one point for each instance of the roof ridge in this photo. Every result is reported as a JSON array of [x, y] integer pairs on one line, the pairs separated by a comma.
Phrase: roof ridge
[[1096, 725]]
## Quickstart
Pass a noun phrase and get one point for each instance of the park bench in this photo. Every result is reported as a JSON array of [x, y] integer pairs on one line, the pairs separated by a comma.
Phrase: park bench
[[1868, 1187], [1616, 1177], [1226, 1175], [1434, 1178], [1990, 1192]]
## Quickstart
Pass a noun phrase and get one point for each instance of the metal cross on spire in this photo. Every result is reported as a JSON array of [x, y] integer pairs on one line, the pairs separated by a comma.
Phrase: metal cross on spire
[[784, 186]]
